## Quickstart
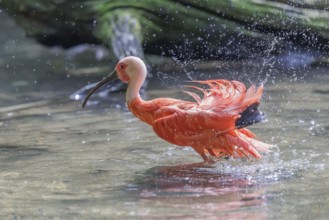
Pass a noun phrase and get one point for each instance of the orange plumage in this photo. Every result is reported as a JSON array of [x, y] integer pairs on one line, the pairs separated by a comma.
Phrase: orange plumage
[[208, 125]]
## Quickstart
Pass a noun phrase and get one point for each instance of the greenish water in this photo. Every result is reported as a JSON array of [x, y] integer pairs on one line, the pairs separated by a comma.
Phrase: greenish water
[[59, 161]]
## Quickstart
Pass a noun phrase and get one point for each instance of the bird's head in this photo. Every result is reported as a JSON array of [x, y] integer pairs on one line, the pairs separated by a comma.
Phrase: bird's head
[[129, 70]]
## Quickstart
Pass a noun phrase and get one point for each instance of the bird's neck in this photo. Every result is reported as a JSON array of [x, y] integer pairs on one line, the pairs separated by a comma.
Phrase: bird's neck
[[134, 86], [132, 92]]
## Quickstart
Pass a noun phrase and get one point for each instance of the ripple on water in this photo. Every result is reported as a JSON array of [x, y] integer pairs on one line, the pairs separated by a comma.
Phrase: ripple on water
[[14, 153]]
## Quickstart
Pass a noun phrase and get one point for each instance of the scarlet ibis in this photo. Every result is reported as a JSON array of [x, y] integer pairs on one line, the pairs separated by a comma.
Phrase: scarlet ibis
[[214, 125]]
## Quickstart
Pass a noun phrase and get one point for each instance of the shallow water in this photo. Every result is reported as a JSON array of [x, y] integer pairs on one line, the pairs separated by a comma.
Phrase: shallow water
[[60, 161]]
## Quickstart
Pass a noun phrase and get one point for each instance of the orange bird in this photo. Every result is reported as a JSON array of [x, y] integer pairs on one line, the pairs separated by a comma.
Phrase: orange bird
[[214, 126]]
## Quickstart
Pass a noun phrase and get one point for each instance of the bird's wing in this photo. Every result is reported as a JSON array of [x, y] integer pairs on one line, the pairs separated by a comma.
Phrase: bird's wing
[[208, 125], [187, 130], [218, 110], [174, 129], [181, 124]]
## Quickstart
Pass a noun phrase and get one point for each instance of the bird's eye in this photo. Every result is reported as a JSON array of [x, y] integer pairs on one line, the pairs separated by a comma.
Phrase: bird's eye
[[122, 66]]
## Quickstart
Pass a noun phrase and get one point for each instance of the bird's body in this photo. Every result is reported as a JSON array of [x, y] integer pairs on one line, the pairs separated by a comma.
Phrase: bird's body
[[211, 125]]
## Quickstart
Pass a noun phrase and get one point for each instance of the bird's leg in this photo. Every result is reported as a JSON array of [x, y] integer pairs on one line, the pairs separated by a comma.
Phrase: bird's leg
[[206, 159]]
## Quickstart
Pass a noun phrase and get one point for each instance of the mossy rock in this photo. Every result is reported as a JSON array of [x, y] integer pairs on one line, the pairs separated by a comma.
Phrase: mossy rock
[[186, 29]]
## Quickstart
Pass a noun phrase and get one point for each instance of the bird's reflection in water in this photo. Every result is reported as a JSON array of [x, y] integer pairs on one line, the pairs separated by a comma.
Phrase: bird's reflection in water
[[203, 188]]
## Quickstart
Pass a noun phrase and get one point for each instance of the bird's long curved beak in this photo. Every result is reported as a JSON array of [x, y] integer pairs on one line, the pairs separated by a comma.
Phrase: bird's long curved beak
[[111, 77]]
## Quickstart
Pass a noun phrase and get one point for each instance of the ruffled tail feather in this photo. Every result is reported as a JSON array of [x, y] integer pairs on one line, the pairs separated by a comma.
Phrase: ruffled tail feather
[[240, 143], [245, 144]]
